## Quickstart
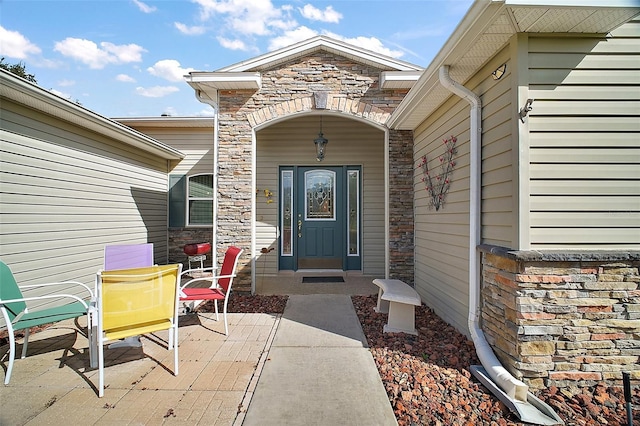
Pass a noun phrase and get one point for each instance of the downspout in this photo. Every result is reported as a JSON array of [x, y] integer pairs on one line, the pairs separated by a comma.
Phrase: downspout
[[214, 237], [513, 387]]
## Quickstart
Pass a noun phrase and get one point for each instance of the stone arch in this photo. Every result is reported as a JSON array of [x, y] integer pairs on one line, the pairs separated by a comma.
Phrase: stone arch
[[334, 102]]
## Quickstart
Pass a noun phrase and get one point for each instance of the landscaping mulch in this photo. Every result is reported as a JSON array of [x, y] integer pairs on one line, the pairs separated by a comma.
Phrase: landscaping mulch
[[428, 381]]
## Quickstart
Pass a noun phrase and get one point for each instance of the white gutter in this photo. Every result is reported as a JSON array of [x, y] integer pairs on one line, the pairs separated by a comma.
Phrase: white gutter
[[214, 237], [513, 387]]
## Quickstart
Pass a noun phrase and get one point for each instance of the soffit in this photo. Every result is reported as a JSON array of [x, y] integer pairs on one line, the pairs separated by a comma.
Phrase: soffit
[[485, 30]]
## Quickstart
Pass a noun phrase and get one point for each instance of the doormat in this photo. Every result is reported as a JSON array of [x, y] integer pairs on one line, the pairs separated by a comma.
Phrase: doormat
[[314, 280]]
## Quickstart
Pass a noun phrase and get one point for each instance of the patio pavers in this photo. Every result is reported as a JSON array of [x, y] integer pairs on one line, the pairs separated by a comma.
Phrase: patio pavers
[[54, 384]]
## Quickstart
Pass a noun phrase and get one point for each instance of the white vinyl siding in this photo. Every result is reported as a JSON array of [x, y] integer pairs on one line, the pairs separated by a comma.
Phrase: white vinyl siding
[[585, 141], [66, 193], [442, 237], [350, 143], [195, 142]]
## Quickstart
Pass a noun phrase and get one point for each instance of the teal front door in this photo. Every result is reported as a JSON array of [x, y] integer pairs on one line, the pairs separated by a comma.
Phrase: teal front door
[[320, 218]]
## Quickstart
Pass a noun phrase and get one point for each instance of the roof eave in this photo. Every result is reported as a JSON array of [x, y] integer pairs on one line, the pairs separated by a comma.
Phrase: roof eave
[[480, 16], [399, 79], [319, 42]]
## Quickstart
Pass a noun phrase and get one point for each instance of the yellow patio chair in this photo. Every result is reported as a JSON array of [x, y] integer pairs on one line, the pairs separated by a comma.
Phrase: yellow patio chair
[[137, 301], [23, 313]]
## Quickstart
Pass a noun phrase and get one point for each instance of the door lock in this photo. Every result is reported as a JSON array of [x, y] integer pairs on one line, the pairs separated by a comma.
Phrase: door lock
[[299, 228]]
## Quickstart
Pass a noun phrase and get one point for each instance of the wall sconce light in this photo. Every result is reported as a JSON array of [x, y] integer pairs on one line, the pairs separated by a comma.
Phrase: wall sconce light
[[321, 144], [498, 73], [525, 109]]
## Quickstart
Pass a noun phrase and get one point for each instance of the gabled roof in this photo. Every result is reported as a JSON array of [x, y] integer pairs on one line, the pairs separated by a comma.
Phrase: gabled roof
[[245, 75], [487, 28], [33, 96], [303, 48]]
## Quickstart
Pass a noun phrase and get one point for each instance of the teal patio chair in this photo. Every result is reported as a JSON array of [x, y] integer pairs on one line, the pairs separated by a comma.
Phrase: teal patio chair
[[19, 316]]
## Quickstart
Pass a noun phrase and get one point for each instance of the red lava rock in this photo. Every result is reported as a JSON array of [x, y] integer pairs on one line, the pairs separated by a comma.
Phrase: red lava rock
[[433, 368]]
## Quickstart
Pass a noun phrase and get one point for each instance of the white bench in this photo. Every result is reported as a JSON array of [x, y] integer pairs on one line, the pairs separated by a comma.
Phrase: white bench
[[399, 300]]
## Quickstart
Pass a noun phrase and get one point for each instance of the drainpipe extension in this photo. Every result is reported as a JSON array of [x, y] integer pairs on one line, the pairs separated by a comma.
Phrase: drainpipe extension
[[214, 237], [513, 387]]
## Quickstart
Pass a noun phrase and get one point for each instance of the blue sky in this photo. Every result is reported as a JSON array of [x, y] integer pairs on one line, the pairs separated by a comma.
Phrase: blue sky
[[127, 58]]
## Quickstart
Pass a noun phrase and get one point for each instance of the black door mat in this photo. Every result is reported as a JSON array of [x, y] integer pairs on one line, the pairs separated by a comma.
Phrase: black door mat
[[314, 280]]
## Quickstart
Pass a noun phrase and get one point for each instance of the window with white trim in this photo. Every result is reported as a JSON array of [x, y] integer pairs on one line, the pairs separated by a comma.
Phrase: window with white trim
[[200, 200]]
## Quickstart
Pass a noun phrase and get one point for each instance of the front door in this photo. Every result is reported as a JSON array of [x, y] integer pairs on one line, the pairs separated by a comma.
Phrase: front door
[[320, 222], [320, 218]]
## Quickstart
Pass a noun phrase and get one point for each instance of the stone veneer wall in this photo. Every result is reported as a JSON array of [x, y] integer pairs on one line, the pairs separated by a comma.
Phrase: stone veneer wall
[[565, 319], [351, 88], [401, 226]]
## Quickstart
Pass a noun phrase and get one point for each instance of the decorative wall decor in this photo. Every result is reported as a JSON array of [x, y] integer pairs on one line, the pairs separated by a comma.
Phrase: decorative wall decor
[[438, 185]]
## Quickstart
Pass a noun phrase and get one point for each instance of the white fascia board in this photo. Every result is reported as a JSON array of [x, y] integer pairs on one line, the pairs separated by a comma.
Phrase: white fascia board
[[399, 79], [571, 3], [225, 80], [33, 96], [472, 24], [316, 43]]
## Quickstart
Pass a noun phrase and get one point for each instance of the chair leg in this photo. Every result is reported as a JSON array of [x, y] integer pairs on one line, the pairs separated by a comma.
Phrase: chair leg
[[100, 368], [26, 342], [216, 305], [12, 355], [174, 337], [224, 313]]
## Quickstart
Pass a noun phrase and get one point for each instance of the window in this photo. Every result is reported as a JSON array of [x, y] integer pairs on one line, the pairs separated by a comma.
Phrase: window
[[200, 200]]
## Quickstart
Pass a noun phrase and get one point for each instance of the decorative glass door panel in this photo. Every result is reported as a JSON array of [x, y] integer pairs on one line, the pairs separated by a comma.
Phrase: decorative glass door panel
[[320, 190]]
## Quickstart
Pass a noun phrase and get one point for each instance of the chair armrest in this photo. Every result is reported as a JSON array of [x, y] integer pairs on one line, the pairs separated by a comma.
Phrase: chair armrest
[[48, 296], [66, 283], [208, 269]]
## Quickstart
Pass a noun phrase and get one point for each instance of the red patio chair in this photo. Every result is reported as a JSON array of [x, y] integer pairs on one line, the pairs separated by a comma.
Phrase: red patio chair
[[220, 287]]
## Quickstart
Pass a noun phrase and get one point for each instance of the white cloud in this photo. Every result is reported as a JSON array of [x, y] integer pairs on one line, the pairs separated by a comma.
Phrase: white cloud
[[145, 8], [314, 14], [291, 37], [66, 83], [61, 94], [15, 45], [156, 91], [369, 43], [248, 17], [232, 44], [97, 57], [169, 69], [125, 78], [189, 30]]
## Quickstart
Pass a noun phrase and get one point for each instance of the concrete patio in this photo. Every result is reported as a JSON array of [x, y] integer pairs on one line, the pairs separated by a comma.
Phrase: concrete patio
[[218, 374]]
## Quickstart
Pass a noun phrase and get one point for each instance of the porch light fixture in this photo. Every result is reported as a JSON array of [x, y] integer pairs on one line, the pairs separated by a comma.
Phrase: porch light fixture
[[498, 73], [321, 144]]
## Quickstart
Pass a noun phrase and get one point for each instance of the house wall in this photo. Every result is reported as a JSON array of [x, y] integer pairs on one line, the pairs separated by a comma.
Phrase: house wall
[[67, 192], [196, 142], [442, 236], [583, 138], [565, 312], [288, 89], [350, 143]]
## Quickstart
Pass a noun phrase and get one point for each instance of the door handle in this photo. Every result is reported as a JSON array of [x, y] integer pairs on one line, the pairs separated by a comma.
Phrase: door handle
[[299, 228]]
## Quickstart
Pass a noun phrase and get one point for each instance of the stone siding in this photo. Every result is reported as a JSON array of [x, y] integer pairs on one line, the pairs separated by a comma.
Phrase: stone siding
[[304, 84], [565, 319], [401, 229]]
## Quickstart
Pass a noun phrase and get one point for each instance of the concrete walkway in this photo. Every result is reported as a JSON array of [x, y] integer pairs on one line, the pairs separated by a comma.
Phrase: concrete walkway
[[318, 370]]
